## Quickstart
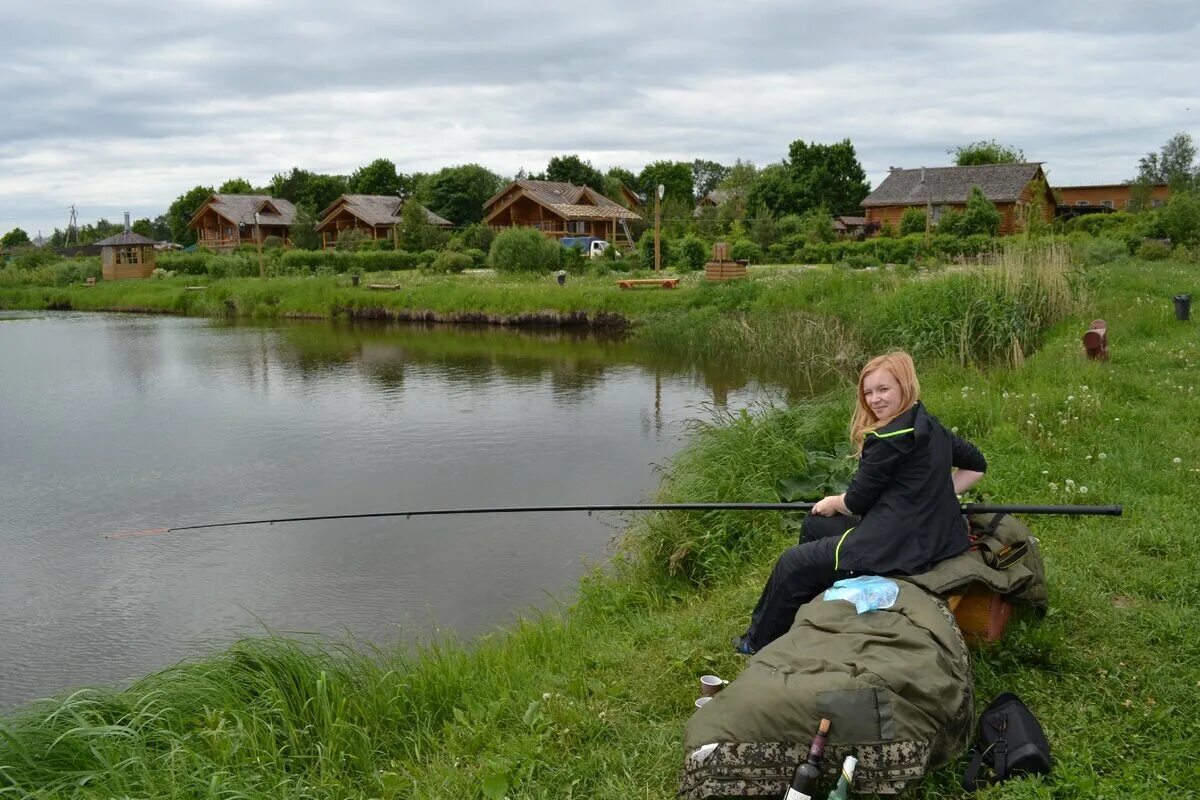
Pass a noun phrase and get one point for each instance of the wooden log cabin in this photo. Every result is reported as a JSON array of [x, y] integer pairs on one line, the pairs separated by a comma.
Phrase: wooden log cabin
[[559, 209], [127, 255], [376, 215], [1112, 196], [225, 221], [1010, 187]]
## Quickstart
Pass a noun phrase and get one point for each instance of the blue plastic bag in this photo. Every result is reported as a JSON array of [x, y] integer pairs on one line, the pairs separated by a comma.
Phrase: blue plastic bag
[[867, 592]]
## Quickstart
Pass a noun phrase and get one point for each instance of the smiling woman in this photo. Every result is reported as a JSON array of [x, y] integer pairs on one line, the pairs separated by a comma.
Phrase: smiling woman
[[900, 514]]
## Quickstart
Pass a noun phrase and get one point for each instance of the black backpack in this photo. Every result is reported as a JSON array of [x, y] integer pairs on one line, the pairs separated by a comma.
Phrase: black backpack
[[1010, 740]]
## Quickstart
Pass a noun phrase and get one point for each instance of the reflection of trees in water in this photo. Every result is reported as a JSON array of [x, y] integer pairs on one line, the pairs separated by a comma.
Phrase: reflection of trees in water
[[573, 362]]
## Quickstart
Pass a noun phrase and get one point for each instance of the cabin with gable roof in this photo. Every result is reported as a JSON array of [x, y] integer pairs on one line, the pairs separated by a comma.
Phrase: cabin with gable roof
[[225, 221], [1012, 188], [376, 215], [559, 209]]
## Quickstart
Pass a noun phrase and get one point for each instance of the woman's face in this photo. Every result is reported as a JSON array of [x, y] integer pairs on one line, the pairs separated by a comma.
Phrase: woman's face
[[882, 393]]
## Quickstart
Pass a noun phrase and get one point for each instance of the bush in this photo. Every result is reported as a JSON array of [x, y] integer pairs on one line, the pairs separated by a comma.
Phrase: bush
[[449, 261], [351, 239], [185, 263], [980, 215], [272, 243], [426, 258], [1094, 252], [573, 260], [478, 257], [857, 261], [888, 231], [912, 221], [477, 237], [746, 250], [951, 223], [646, 250], [1180, 218], [312, 261], [1154, 250], [692, 253], [524, 250]]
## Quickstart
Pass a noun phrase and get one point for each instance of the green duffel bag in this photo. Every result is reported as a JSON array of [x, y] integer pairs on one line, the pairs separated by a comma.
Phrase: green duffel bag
[[896, 684]]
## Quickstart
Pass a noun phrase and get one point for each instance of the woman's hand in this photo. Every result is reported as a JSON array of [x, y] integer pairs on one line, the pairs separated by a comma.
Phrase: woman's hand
[[830, 505]]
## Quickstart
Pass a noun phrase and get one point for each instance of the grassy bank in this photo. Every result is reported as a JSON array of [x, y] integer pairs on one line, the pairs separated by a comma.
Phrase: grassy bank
[[818, 320], [591, 703]]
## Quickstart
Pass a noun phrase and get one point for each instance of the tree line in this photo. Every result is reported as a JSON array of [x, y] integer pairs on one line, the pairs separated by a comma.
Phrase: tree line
[[813, 177]]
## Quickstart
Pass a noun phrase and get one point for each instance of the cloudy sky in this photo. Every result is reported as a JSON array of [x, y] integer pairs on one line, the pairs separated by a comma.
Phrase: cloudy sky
[[116, 106]]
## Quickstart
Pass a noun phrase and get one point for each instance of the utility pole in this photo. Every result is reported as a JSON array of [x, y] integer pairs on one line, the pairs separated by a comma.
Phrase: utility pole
[[262, 273], [658, 195], [72, 228], [928, 205]]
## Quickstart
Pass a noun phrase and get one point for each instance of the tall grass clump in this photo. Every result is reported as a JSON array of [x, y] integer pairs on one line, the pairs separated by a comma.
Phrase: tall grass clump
[[994, 314], [736, 456]]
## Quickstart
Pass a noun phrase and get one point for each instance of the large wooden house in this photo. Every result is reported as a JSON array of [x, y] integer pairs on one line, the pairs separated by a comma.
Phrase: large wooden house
[[1011, 187], [376, 215], [1112, 196], [225, 221], [558, 210]]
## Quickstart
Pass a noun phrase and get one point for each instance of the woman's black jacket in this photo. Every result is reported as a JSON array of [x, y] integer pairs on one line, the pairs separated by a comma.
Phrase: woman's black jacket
[[903, 491]]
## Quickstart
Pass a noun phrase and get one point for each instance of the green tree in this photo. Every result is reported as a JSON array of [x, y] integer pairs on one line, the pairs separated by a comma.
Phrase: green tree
[[303, 232], [417, 233], [310, 188], [913, 220], [458, 193], [707, 176], [737, 186], [144, 227], [351, 239], [814, 175], [1180, 218], [573, 169], [980, 215], [180, 212], [1174, 164], [675, 176], [378, 177], [987, 151], [15, 238], [236, 186]]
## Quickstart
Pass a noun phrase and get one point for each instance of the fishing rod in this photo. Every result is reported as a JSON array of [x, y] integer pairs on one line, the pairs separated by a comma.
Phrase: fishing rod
[[967, 508]]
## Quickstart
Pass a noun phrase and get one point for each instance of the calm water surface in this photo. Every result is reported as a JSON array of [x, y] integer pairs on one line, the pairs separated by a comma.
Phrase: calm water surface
[[113, 423]]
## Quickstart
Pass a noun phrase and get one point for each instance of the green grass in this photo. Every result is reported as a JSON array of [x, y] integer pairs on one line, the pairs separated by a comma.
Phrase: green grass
[[591, 702]]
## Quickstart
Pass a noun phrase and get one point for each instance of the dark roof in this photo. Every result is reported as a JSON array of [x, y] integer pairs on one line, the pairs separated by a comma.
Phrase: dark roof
[[998, 182], [563, 199], [125, 239], [375, 209]]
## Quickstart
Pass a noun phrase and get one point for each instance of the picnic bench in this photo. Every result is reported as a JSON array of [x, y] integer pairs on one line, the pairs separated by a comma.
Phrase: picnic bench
[[665, 283], [383, 287]]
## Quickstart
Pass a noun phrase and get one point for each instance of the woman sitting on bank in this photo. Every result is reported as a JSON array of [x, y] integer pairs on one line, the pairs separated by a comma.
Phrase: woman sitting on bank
[[900, 514]]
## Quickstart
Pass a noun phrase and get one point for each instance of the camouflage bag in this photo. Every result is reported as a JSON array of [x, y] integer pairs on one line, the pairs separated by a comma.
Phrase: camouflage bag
[[896, 684]]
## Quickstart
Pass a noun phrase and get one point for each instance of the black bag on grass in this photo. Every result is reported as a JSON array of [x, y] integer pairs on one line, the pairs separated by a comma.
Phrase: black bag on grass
[[1011, 743]]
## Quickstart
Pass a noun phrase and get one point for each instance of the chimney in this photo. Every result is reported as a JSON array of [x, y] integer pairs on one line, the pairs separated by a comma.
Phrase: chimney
[[922, 182], [127, 222]]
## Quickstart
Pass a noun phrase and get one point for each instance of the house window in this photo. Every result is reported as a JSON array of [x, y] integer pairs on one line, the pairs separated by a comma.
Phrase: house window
[[937, 213], [577, 226], [127, 255], [1106, 203], [1081, 202], [1155, 203]]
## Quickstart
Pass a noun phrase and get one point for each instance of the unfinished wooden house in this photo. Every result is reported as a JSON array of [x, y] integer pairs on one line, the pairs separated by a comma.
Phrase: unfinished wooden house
[[558, 210], [126, 255]]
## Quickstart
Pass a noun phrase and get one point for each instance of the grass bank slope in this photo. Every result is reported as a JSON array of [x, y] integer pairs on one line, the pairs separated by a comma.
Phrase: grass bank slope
[[591, 702]]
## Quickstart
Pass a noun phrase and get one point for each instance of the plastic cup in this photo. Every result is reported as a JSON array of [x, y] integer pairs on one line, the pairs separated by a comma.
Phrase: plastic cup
[[700, 701], [711, 684]]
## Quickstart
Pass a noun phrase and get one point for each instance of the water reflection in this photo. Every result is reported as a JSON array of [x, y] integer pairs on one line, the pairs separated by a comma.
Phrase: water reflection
[[112, 422]]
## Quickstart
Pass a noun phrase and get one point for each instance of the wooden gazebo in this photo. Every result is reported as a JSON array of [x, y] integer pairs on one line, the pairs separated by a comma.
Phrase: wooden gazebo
[[126, 255]]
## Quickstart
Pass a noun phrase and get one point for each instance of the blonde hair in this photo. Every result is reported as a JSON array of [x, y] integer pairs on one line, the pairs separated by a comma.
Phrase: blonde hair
[[900, 364]]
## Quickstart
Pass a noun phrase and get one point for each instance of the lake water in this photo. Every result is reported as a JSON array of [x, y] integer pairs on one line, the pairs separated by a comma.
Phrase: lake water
[[112, 423]]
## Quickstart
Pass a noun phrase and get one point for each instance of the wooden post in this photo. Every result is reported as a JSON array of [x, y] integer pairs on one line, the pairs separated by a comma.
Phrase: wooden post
[[657, 223], [262, 273]]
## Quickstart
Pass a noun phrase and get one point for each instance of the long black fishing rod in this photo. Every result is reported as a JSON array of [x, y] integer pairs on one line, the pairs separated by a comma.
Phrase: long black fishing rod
[[968, 508]]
